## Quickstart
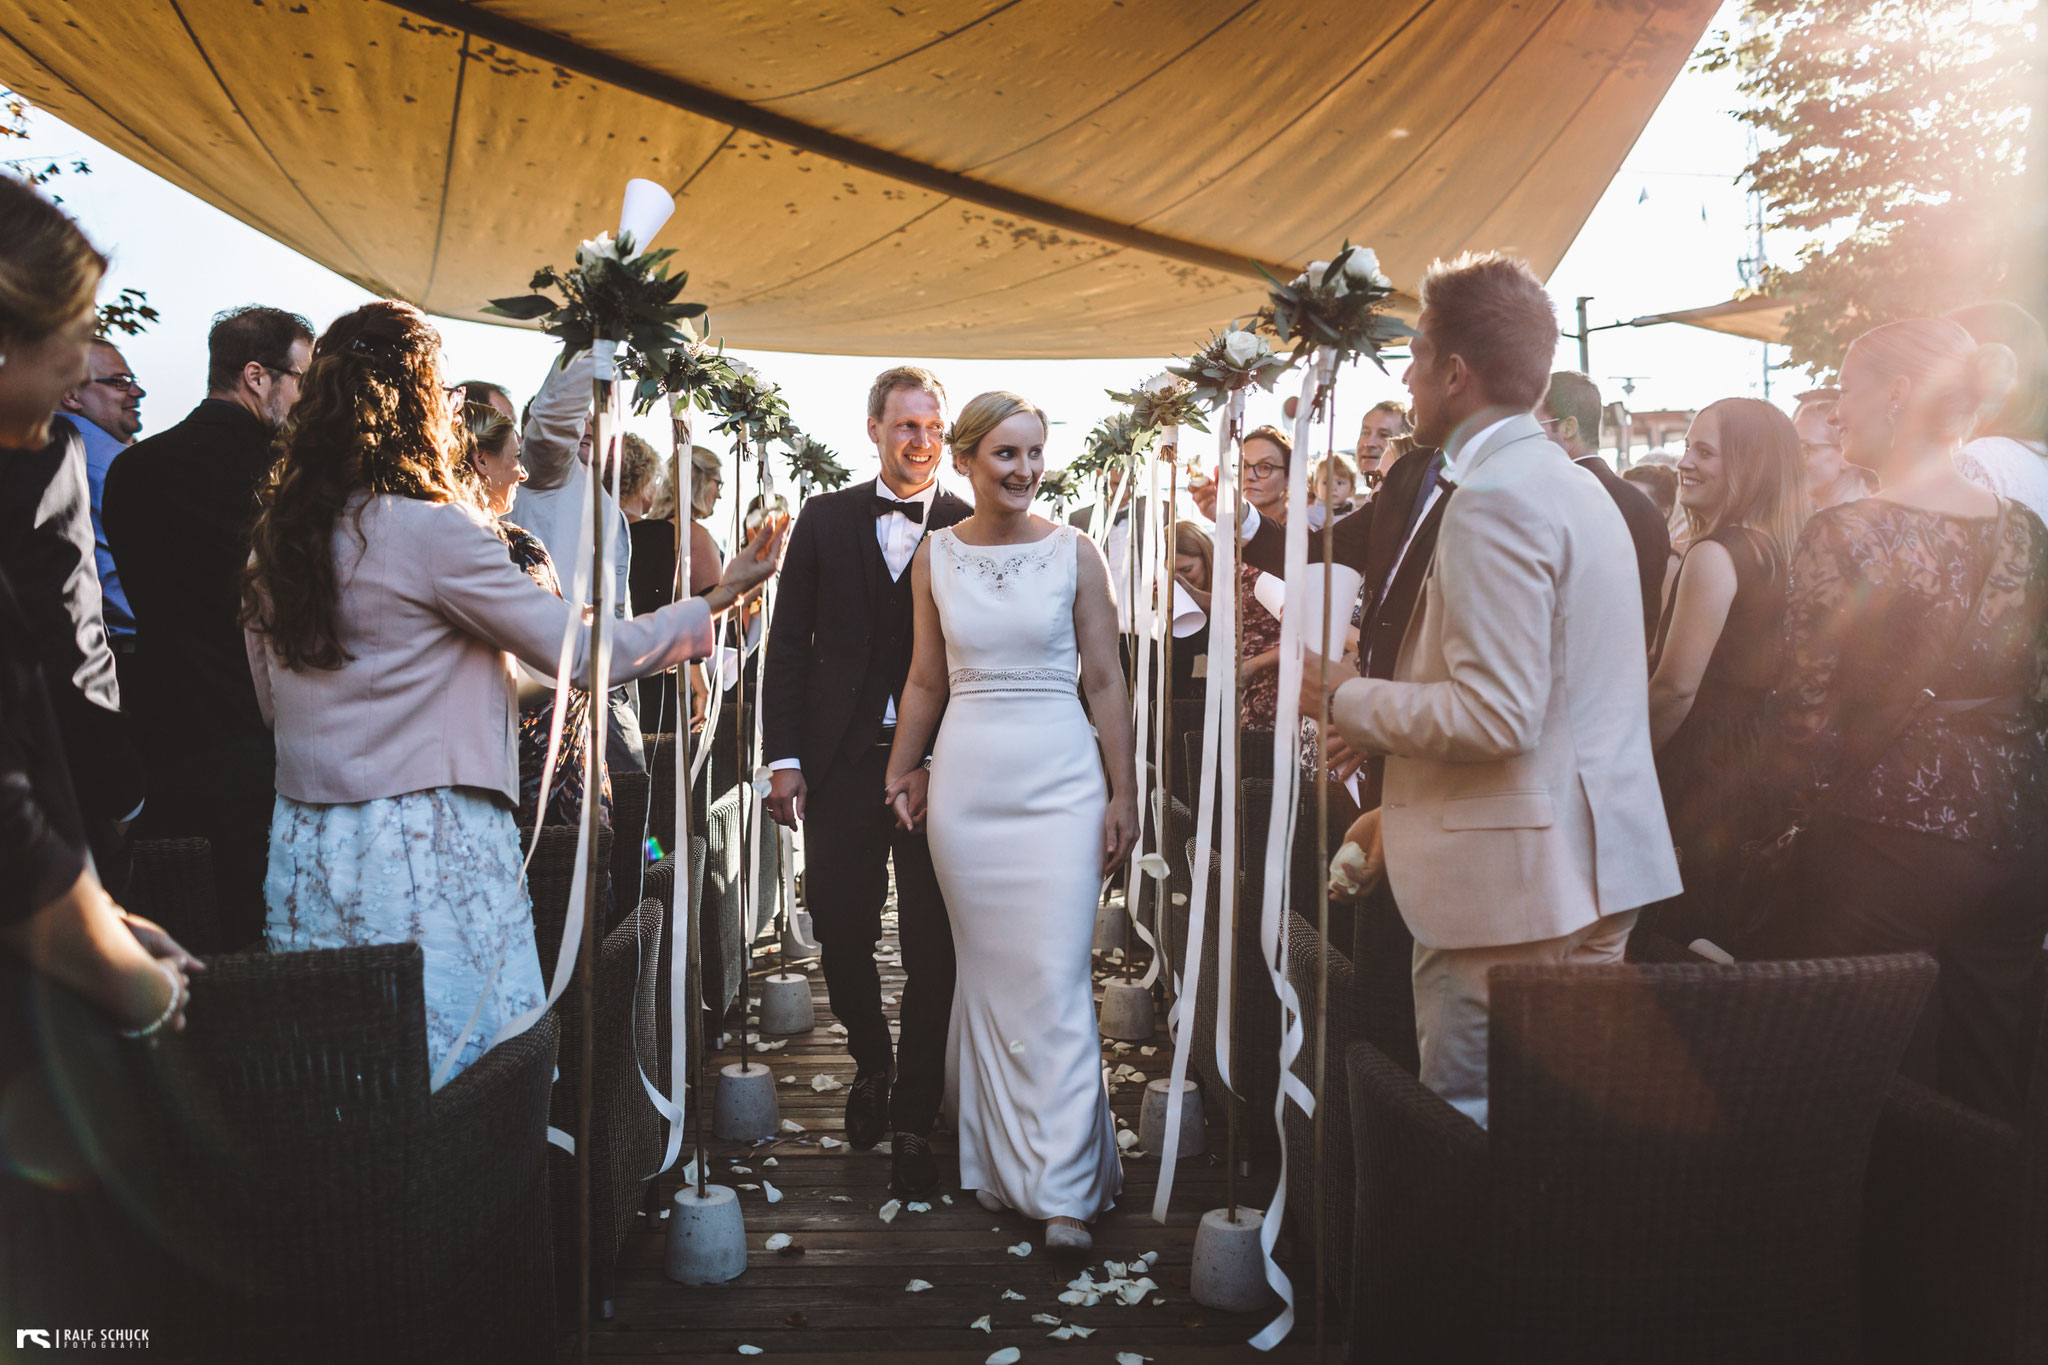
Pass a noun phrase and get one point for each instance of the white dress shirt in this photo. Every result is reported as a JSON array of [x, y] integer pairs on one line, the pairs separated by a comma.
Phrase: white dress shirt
[[899, 537]]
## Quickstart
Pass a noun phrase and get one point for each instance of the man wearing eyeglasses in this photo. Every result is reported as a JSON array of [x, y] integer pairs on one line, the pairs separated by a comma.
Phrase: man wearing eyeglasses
[[1830, 479], [179, 507], [106, 410]]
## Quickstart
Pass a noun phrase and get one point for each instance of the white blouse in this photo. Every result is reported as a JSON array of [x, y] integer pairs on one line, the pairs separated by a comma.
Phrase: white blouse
[[2010, 468]]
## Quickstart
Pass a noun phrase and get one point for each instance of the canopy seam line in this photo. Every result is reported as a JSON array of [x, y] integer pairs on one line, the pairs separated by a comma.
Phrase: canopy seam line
[[1427, 148], [1129, 90], [704, 165], [248, 123], [448, 168], [1301, 114], [850, 151], [899, 57]]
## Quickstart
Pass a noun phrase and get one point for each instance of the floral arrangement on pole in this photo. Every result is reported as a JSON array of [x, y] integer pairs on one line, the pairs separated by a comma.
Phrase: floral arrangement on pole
[[752, 410], [611, 295], [1164, 401], [1059, 487], [1335, 307], [813, 464], [691, 375], [1111, 449], [1235, 359]]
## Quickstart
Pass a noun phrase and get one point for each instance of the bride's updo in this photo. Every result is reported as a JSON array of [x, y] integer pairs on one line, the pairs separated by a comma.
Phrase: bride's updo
[[984, 413]]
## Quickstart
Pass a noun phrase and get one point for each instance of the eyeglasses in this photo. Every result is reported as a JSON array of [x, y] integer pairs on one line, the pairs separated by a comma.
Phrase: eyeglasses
[[280, 372], [123, 382], [1265, 469]]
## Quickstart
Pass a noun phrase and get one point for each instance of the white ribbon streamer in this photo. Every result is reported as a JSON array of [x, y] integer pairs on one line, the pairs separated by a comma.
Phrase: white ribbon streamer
[[1219, 699]]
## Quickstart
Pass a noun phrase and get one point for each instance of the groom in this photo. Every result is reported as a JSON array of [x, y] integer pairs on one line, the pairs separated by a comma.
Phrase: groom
[[838, 654]]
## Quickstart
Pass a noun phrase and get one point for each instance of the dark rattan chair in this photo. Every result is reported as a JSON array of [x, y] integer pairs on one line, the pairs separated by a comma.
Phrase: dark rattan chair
[[630, 828], [1674, 1169], [171, 882], [322, 1205], [1956, 1227], [726, 936], [626, 1136]]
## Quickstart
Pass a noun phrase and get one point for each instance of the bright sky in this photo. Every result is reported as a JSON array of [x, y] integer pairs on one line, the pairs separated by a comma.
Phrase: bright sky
[[1667, 235]]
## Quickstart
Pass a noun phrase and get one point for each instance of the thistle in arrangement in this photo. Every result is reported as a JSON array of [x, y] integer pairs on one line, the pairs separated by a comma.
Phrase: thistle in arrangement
[[1334, 306], [1165, 400], [814, 465], [1235, 358], [610, 295]]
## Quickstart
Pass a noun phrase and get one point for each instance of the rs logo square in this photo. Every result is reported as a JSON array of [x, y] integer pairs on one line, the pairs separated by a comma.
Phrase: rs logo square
[[31, 1336]]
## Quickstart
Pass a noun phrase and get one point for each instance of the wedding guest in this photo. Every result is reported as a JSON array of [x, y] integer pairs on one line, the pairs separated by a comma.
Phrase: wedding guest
[[838, 657], [707, 481], [493, 454], [1333, 489], [649, 505], [107, 411], [179, 506], [1571, 416], [1194, 568], [640, 476], [555, 448], [1916, 628], [1516, 722], [48, 275], [492, 395], [383, 614], [1830, 479], [1717, 656], [1267, 453], [1659, 483], [2006, 452], [1384, 423]]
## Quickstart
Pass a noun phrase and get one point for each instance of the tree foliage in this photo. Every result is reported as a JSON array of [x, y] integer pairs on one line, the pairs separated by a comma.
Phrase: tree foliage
[[1893, 138], [14, 112]]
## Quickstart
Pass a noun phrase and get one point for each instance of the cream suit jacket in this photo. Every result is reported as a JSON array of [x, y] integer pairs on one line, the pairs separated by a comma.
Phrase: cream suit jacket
[[1521, 800]]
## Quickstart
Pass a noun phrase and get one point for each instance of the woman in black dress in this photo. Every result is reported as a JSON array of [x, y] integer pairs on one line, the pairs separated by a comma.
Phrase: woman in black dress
[[1716, 656], [1913, 725]]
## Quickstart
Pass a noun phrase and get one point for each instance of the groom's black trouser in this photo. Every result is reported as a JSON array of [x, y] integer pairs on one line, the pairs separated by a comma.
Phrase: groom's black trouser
[[849, 839]]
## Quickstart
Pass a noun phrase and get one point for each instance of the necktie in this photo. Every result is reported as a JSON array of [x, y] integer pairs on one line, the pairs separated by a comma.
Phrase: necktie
[[913, 510]]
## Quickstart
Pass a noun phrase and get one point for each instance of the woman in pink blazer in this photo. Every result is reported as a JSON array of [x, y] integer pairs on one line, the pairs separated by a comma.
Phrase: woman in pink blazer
[[383, 616]]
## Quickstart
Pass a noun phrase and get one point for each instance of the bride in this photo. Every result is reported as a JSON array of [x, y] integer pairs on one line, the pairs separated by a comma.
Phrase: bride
[[1023, 828]]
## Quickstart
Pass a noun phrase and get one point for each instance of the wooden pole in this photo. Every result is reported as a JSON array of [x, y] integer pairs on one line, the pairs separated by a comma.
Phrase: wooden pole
[[1322, 876], [586, 971]]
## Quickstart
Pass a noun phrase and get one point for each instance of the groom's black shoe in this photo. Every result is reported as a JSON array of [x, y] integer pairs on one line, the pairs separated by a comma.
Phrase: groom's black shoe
[[867, 1109], [913, 1170]]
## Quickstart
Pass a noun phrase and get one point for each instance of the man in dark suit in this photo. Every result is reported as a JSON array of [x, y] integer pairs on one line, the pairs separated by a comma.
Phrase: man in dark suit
[[178, 508], [1571, 418], [838, 655]]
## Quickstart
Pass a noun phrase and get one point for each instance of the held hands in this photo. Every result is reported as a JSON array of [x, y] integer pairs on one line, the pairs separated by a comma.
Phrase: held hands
[[1362, 861], [908, 796], [1119, 832]]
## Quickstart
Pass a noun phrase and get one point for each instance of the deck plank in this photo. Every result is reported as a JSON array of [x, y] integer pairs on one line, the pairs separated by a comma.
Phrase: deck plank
[[838, 1296]]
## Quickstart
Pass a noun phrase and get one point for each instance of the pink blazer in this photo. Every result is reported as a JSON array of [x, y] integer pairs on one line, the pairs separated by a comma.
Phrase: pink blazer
[[432, 613]]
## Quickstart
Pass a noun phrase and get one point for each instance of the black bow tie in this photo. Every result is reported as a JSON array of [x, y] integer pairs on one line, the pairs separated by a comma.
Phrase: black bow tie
[[913, 510]]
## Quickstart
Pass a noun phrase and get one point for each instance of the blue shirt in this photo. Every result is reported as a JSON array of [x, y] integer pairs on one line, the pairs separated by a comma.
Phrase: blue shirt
[[100, 450]]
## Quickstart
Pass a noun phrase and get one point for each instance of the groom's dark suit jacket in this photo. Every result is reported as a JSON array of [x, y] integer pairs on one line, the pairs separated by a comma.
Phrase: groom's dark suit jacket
[[839, 647]]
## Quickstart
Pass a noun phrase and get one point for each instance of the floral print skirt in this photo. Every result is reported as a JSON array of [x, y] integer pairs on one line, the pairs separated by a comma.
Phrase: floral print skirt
[[440, 868]]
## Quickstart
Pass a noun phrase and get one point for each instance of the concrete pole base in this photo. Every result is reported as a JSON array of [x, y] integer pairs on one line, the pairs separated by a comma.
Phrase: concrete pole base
[[744, 1110], [1109, 925], [1152, 1118], [1229, 1271], [797, 939], [786, 1004], [1127, 1012], [707, 1238]]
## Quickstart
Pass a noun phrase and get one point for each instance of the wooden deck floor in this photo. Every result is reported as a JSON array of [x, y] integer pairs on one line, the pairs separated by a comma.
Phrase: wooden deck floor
[[838, 1293]]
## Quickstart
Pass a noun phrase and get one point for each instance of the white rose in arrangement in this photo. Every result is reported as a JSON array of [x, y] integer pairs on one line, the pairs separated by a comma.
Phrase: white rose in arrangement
[[1315, 273], [603, 247], [743, 370], [1160, 383], [1362, 267], [1242, 348]]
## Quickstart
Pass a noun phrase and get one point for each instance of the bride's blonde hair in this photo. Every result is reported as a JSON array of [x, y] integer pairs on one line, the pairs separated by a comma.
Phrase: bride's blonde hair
[[984, 413]]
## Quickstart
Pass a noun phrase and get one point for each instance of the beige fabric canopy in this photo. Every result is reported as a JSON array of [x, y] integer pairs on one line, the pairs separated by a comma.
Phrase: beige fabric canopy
[[952, 178], [1757, 317]]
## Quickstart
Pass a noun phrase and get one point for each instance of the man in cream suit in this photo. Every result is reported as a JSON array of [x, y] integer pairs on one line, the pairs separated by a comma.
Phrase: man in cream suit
[[1521, 820]]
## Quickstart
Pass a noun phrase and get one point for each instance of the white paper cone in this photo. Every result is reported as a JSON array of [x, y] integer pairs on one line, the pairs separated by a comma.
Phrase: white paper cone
[[728, 667], [647, 208], [1188, 616], [1271, 593], [1343, 595]]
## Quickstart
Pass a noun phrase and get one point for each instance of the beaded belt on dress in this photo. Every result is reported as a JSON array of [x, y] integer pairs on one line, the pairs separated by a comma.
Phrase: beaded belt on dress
[[966, 681]]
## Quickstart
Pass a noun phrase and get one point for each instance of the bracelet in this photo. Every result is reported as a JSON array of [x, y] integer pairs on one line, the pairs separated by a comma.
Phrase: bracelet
[[927, 762], [177, 998]]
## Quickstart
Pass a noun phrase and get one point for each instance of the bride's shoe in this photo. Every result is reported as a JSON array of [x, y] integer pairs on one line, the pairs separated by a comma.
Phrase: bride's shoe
[[990, 1202], [1067, 1234]]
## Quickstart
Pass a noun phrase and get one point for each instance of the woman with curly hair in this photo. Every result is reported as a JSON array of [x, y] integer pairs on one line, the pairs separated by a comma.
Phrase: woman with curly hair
[[383, 617]]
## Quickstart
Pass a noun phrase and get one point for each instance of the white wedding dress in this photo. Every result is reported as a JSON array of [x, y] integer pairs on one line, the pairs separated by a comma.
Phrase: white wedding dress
[[1017, 799]]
